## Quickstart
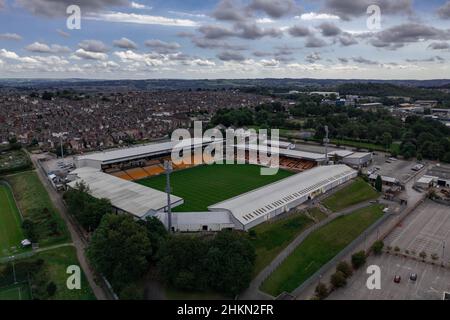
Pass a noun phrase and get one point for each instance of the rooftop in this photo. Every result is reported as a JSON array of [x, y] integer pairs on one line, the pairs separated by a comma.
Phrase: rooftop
[[124, 154], [125, 195], [250, 206]]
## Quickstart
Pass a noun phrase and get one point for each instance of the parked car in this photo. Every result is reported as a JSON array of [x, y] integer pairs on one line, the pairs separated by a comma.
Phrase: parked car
[[413, 276], [397, 279]]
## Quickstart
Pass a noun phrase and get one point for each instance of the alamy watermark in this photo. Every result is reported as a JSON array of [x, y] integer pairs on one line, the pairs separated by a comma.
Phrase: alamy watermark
[[373, 22], [73, 21], [74, 280], [237, 147]]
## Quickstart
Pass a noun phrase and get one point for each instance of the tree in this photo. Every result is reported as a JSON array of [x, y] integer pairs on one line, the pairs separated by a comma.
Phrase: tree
[[223, 264], [181, 262], [85, 208], [51, 289], [321, 291], [379, 184], [377, 247], [386, 140], [230, 262], [423, 255], [358, 259], [338, 279], [446, 157], [29, 229], [119, 248], [156, 232], [345, 268]]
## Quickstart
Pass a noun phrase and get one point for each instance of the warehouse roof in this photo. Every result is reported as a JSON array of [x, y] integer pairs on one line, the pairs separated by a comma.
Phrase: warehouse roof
[[250, 206], [124, 154], [124, 195]]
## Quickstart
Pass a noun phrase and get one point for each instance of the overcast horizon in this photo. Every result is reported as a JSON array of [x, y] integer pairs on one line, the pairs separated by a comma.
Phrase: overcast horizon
[[226, 39]]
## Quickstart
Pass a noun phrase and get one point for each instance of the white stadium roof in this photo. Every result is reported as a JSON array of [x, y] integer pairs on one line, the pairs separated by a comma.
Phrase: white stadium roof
[[128, 196], [124, 154], [286, 152], [252, 205]]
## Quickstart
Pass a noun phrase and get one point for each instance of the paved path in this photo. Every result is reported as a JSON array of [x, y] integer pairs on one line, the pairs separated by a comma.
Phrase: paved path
[[79, 242], [28, 254], [253, 292]]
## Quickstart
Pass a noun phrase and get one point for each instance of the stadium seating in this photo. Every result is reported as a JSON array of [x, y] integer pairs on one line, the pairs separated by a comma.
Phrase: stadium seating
[[137, 173], [153, 170], [122, 175]]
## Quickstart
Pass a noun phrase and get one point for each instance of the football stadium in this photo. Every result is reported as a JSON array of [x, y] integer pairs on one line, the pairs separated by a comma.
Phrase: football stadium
[[205, 196]]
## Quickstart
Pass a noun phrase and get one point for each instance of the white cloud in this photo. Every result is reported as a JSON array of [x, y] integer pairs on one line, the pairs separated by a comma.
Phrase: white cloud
[[83, 54], [264, 20], [188, 14], [145, 58], [44, 48], [123, 17], [10, 36], [270, 63], [136, 5], [317, 16]]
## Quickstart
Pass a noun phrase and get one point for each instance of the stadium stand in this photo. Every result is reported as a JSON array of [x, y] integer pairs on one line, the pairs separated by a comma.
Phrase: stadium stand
[[122, 175]]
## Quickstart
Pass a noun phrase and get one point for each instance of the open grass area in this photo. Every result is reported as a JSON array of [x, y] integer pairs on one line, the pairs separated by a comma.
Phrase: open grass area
[[358, 191], [319, 248], [13, 161], [35, 205], [20, 291], [10, 223], [41, 270], [206, 185], [57, 261], [272, 237]]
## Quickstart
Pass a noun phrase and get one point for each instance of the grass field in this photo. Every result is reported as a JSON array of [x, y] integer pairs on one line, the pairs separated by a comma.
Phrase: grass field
[[10, 222], [53, 269], [35, 205], [57, 261], [272, 237], [319, 248], [358, 191], [19, 291], [206, 185]]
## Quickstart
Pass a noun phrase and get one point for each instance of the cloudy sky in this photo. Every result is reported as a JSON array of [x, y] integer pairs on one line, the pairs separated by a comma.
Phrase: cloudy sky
[[226, 39]]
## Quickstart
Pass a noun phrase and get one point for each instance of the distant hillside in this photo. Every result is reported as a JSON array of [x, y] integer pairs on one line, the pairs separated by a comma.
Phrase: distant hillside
[[169, 84]]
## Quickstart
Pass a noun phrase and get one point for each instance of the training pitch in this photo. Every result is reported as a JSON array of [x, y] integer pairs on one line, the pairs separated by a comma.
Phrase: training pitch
[[10, 223], [20, 291], [206, 185]]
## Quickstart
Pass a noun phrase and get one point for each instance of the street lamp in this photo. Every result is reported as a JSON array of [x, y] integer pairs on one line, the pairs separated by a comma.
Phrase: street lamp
[[168, 169]]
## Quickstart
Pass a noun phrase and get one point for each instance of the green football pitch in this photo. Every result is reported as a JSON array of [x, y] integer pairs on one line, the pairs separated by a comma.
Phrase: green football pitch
[[19, 291], [206, 185], [10, 223]]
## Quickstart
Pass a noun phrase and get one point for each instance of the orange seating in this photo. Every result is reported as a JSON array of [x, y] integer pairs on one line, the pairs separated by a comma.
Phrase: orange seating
[[137, 173], [122, 175], [153, 170]]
